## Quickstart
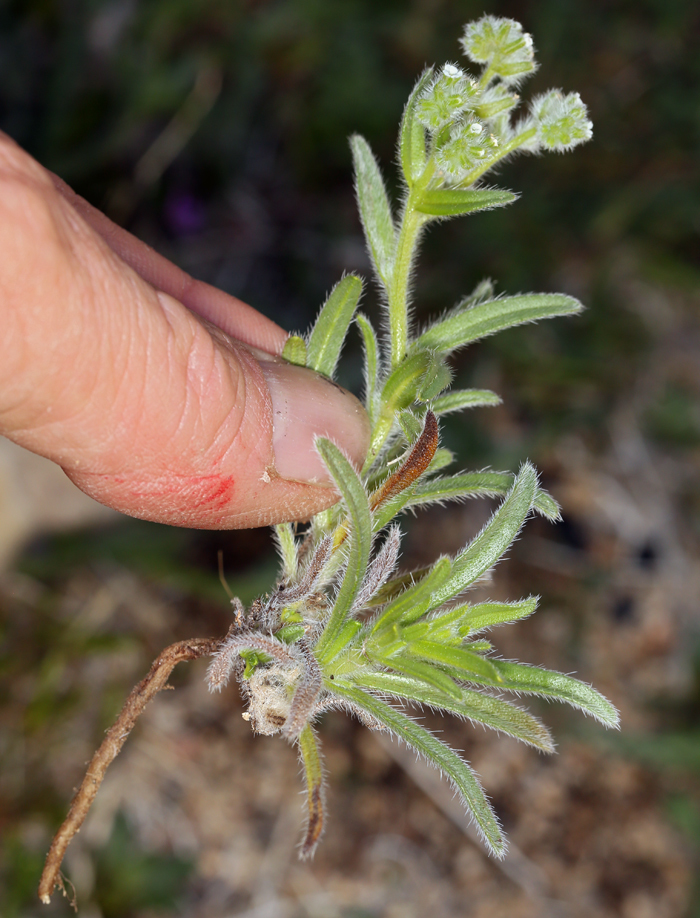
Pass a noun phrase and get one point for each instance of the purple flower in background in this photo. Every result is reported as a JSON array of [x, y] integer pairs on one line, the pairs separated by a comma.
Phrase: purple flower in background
[[184, 213]]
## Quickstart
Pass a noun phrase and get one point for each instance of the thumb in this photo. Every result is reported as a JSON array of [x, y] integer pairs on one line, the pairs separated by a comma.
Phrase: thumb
[[146, 407]]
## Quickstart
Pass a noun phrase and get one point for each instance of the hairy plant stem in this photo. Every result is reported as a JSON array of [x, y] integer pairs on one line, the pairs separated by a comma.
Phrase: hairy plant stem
[[411, 223], [507, 148]]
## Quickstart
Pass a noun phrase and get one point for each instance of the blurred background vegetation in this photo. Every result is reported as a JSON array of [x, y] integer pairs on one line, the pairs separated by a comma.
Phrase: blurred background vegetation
[[216, 130]]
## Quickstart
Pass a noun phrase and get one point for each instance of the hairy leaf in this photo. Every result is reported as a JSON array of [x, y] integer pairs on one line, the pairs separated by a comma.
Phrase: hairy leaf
[[409, 605], [476, 706], [458, 659], [374, 208], [287, 549], [425, 743], [518, 677], [369, 340], [452, 202], [487, 614], [295, 350], [313, 776], [412, 133], [426, 673], [437, 377], [328, 334], [458, 399], [464, 325], [476, 484], [355, 499], [483, 551]]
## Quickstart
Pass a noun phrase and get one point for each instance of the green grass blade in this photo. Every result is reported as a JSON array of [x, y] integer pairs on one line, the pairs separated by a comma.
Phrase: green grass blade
[[375, 211], [357, 503], [453, 202], [435, 751], [475, 706], [331, 327], [464, 325], [493, 540]]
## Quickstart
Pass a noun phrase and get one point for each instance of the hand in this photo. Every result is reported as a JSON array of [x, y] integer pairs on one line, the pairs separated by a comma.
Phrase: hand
[[157, 394]]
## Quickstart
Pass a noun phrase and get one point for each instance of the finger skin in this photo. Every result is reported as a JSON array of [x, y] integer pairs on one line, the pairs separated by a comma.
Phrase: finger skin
[[110, 376], [230, 314]]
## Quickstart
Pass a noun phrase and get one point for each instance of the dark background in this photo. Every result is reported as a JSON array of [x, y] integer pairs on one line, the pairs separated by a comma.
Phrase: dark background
[[216, 130]]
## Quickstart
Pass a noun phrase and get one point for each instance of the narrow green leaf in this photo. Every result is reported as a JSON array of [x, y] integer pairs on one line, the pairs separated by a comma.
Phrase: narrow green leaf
[[442, 627], [343, 637], [399, 392], [409, 605], [463, 661], [328, 334], [426, 673], [369, 340], [462, 326], [474, 484], [375, 211], [287, 549], [480, 646], [411, 425], [518, 677], [357, 503], [483, 291], [313, 777], [459, 399], [403, 384], [451, 202], [483, 551], [290, 633], [447, 760], [437, 377], [442, 458], [412, 148], [295, 350], [476, 706], [398, 584], [487, 614]]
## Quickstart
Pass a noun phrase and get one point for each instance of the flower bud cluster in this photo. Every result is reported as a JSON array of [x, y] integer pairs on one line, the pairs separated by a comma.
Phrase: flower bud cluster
[[468, 146], [469, 119], [562, 120], [451, 93], [502, 45]]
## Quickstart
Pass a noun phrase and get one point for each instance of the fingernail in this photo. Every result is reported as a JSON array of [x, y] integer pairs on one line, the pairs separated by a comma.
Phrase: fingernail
[[306, 405]]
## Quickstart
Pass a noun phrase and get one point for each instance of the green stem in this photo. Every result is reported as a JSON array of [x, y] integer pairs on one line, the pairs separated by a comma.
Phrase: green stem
[[411, 223], [485, 78], [507, 148], [398, 291]]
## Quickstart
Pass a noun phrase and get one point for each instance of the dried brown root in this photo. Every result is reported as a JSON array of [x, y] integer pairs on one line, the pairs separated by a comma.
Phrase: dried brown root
[[140, 695]]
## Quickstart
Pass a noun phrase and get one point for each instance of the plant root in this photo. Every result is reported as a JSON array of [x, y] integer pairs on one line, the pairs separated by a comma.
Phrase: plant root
[[140, 695]]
